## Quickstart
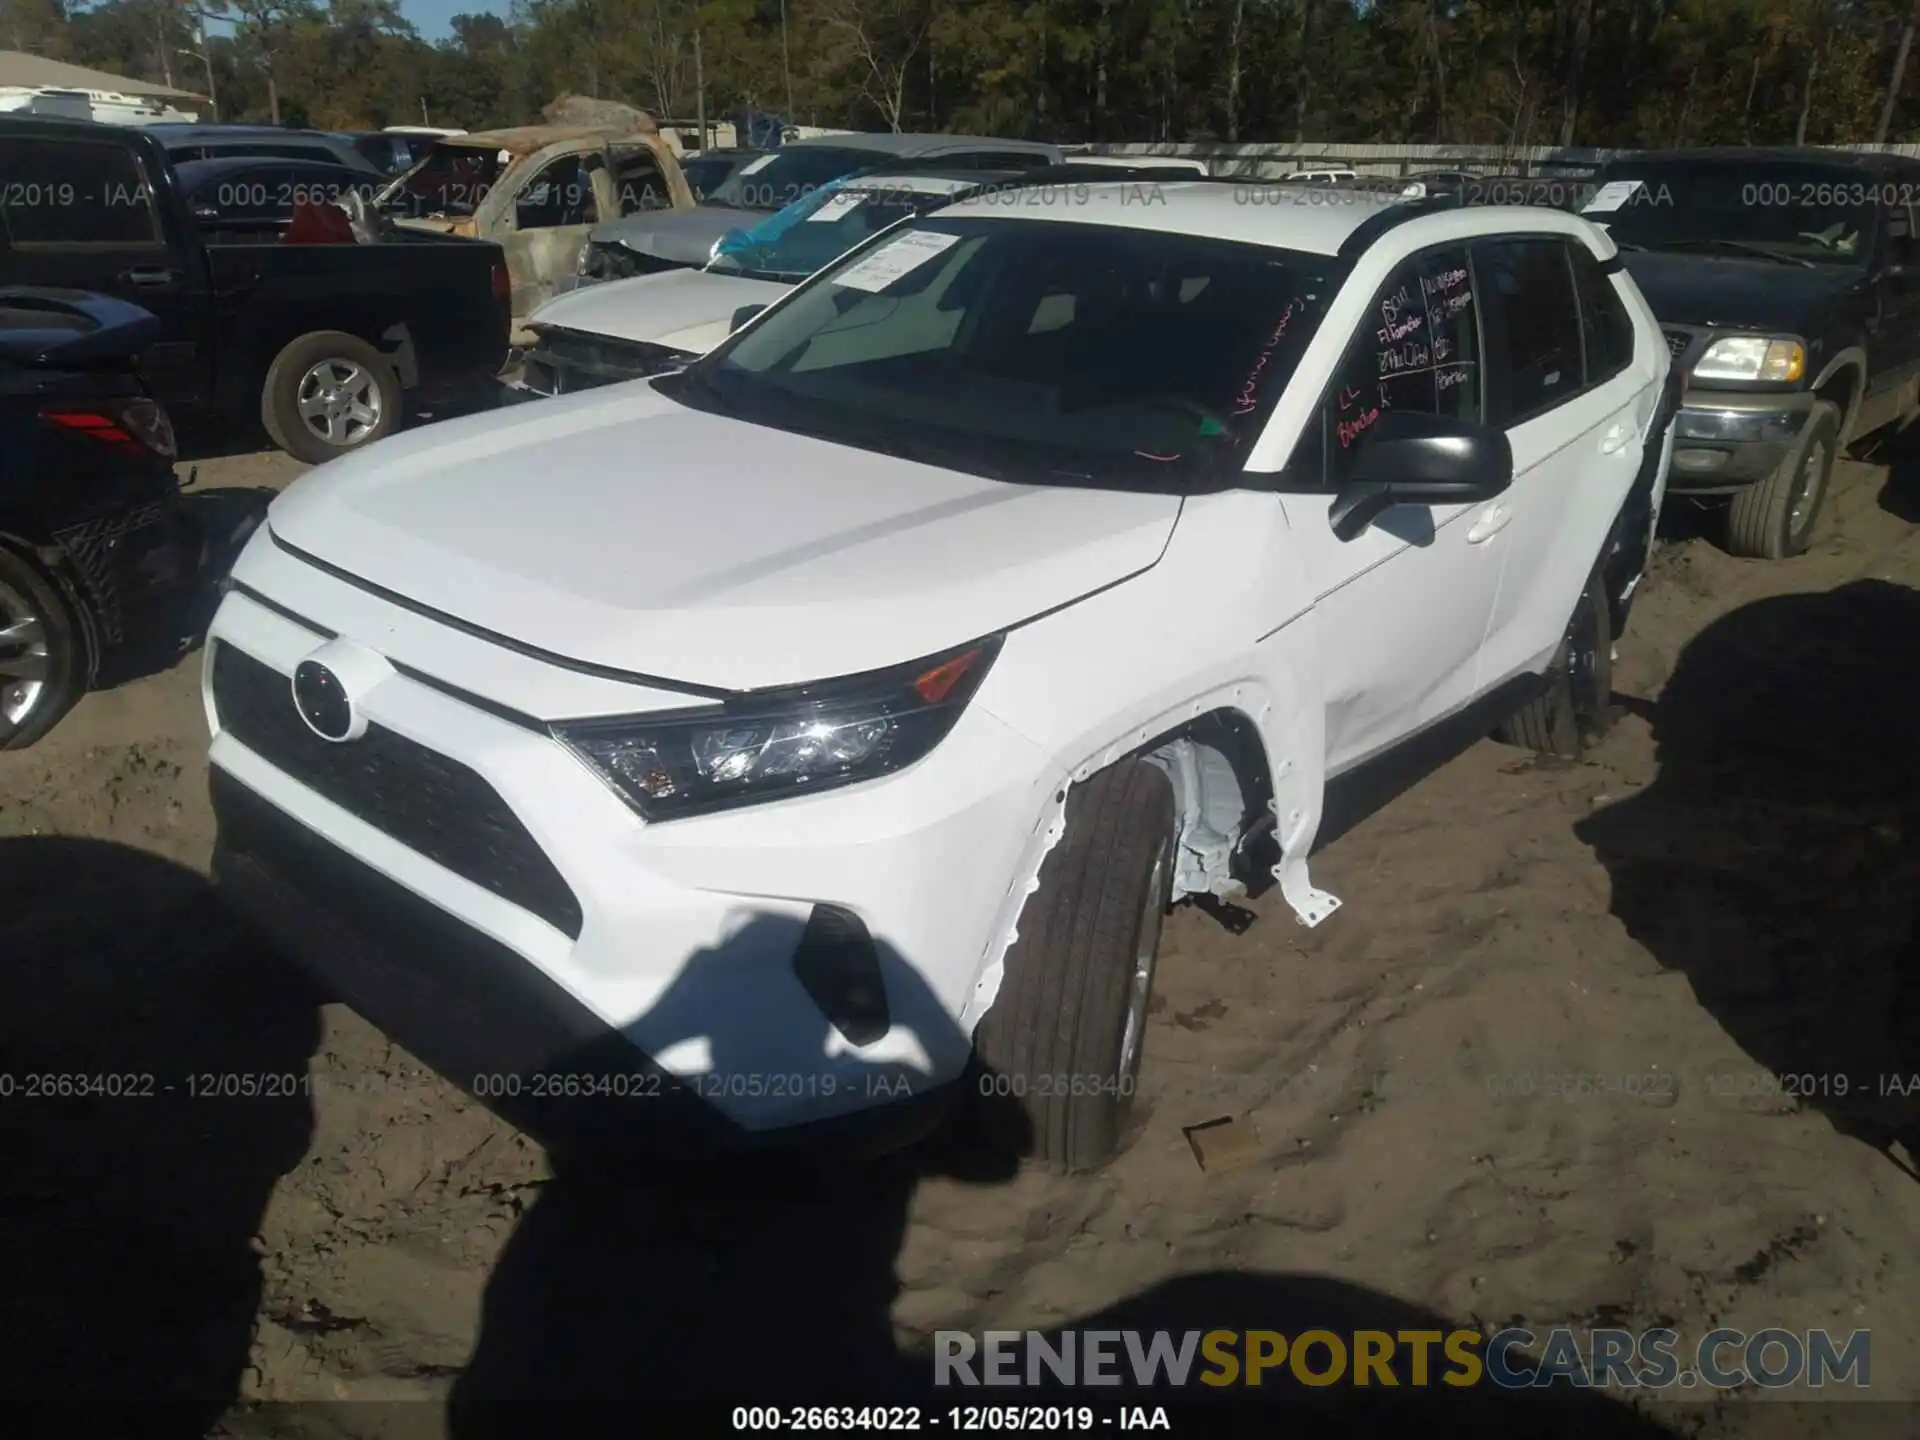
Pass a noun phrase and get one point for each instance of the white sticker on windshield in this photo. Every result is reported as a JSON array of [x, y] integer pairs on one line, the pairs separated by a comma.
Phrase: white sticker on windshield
[[899, 256], [505, 157], [758, 165], [836, 207], [1610, 196]]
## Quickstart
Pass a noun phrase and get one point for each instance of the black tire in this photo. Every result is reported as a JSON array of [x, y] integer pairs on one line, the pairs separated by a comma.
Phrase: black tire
[[1775, 518], [1575, 710], [1077, 973], [293, 370], [59, 630]]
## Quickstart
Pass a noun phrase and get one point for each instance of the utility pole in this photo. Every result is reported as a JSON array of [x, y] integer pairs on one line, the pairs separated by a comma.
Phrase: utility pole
[[423, 111], [205, 56], [786, 66], [700, 89]]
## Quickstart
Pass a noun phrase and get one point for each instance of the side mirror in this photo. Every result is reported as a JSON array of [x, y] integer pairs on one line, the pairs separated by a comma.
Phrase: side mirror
[[1409, 458], [743, 315]]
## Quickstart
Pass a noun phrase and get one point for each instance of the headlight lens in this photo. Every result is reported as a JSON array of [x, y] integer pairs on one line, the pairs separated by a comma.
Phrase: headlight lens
[[1752, 357], [776, 743]]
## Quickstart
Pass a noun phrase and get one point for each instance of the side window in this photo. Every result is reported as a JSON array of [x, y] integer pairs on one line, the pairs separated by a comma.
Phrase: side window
[[1605, 325], [75, 194], [1534, 354], [1418, 349], [561, 194], [641, 185]]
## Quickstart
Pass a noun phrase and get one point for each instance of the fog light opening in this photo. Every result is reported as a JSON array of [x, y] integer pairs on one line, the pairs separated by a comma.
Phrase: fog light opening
[[838, 967]]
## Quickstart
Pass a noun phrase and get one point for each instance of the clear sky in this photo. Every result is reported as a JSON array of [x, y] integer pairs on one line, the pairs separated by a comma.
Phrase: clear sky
[[429, 17]]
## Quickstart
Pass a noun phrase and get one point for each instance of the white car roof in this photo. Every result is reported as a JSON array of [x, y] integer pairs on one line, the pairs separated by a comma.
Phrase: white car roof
[[1316, 222], [918, 184]]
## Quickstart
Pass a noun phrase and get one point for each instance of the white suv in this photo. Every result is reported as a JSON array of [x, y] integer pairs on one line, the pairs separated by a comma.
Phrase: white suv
[[779, 735]]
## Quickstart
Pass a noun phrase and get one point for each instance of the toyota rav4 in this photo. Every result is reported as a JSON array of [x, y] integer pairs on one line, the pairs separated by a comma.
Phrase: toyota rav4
[[798, 733]]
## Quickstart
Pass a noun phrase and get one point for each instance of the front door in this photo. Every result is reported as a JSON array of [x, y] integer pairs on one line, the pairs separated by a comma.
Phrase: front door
[[1402, 608], [543, 219], [79, 214]]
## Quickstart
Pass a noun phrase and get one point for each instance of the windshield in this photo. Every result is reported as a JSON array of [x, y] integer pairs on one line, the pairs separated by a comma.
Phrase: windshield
[[1044, 353], [704, 172], [452, 181], [1821, 214], [777, 180], [816, 229]]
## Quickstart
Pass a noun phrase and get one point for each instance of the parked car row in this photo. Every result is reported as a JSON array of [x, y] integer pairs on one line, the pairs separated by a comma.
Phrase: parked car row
[[1017, 573]]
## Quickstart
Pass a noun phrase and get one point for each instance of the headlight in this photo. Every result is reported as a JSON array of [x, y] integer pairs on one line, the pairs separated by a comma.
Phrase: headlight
[[1752, 357], [770, 744]]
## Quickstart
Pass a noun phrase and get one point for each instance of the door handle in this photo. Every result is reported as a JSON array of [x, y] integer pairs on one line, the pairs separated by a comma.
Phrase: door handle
[[1492, 521], [148, 275], [1616, 439]]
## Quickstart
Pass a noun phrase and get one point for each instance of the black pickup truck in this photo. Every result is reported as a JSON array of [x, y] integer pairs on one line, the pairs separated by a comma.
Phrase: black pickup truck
[[1787, 283], [320, 341]]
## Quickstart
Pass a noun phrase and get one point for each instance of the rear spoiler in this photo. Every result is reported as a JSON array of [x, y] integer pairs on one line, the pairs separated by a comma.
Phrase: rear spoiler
[[109, 329]]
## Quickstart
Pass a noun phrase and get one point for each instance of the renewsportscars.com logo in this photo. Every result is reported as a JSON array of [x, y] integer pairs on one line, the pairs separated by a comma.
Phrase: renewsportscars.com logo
[[1513, 1358]]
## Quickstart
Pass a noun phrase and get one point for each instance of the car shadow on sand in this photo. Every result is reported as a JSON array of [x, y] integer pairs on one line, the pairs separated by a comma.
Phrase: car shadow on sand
[[152, 1091], [1775, 857], [667, 1285]]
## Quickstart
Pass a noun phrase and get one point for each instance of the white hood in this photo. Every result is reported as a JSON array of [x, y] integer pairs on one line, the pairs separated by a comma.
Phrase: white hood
[[688, 310], [620, 528]]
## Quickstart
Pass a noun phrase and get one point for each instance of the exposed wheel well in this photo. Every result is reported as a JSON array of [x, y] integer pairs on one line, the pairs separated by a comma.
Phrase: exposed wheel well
[[1222, 791]]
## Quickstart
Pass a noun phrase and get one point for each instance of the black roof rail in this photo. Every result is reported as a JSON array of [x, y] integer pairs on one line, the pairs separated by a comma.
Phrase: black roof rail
[[1374, 226]]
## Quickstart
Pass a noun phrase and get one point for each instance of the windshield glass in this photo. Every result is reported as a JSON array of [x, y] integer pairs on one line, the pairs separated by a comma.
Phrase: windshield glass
[[777, 180], [452, 181], [1044, 353], [816, 229], [1817, 213], [703, 172]]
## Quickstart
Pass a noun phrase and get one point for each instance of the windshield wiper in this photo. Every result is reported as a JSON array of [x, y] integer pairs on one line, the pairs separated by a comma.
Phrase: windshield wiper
[[1738, 247]]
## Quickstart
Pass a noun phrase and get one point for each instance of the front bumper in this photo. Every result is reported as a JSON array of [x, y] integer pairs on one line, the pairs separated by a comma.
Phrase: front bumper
[[473, 890], [1724, 441]]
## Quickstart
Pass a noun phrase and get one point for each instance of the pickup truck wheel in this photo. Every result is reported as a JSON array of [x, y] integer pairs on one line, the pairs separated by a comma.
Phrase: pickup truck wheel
[[1063, 1038], [1774, 519], [1574, 712], [45, 646], [328, 393]]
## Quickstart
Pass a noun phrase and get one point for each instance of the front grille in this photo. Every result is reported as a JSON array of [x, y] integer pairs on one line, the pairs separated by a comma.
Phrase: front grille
[[428, 802], [565, 361]]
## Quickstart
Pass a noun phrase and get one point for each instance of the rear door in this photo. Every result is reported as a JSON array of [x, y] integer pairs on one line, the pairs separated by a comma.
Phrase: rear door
[[80, 212], [1565, 382], [1896, 337]]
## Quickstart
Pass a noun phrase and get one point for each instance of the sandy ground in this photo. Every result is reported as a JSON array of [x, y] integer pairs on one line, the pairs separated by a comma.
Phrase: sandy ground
[[1711, 918]]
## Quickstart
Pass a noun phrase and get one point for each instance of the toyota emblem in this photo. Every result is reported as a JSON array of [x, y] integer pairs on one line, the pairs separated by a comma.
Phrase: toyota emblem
[[322, 701]]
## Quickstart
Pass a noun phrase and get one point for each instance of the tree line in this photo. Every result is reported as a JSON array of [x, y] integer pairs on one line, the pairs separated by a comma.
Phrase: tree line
[[1488, 72]]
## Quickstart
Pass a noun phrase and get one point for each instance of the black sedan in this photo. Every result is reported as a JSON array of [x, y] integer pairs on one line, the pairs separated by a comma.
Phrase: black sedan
[[95, 528]]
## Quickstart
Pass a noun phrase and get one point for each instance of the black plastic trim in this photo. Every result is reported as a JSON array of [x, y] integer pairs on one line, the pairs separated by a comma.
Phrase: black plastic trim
[[435, 805]]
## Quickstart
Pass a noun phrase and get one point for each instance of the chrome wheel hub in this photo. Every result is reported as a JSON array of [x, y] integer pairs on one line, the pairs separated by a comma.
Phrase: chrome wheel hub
[[340, 402], [24, 660]]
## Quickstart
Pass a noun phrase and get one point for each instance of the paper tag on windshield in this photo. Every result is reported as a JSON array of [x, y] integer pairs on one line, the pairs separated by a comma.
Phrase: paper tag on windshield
[[900, 256], [835, 207], [1610, 196], [758, 165]]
